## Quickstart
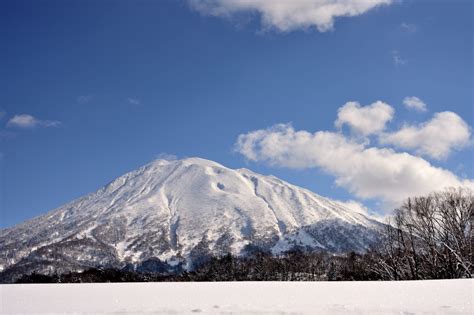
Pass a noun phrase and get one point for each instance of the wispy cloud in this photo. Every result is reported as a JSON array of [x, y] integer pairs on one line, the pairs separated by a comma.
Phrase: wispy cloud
[[166, 156], [289, 15], [133, 101], [415, 103], [367, 171], [409, 28], [84, 99], [6, 135], [397, 59], [26, 121]]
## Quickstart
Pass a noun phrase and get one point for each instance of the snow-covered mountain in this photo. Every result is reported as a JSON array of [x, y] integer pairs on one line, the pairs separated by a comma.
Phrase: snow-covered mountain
[[178, 212]]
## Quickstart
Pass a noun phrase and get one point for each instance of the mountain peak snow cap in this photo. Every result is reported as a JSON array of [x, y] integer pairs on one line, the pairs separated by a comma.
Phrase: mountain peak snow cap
[[186, 161]]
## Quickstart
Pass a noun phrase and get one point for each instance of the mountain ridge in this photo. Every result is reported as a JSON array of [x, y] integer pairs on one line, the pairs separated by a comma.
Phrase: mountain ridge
[[178, 212]]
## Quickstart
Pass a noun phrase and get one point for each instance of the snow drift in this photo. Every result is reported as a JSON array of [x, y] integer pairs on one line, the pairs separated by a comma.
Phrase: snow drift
[[369, 297]]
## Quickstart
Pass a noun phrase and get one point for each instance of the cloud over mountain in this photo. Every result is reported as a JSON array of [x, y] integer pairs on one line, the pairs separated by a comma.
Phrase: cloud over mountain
[[367, 171]]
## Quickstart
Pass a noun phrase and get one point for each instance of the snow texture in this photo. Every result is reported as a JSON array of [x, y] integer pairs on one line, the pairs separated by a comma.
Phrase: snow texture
[[404, 297]]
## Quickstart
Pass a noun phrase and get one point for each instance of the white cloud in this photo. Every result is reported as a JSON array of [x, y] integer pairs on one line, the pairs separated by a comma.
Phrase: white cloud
[[364, 120], [413, 102], [436, 138], [290, 15], [367, 172], [27, 121]]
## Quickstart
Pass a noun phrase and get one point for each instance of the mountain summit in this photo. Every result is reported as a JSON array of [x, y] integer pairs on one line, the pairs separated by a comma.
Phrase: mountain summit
[[179, 212]]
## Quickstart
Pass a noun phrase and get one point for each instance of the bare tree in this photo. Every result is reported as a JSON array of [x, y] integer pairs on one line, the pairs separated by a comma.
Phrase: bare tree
[[430, 238]]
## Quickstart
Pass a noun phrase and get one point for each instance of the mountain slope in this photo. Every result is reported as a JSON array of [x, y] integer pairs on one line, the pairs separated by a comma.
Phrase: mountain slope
[[179, 212]]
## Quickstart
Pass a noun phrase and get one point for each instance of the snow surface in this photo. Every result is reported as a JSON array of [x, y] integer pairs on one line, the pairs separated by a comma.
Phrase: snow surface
[[404, 297]]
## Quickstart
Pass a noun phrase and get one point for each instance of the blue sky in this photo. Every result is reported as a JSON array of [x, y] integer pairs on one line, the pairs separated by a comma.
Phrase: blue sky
[[93, 89]]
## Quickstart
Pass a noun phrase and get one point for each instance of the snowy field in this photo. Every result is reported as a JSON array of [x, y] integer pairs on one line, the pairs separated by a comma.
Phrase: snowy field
[[415, 297]]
